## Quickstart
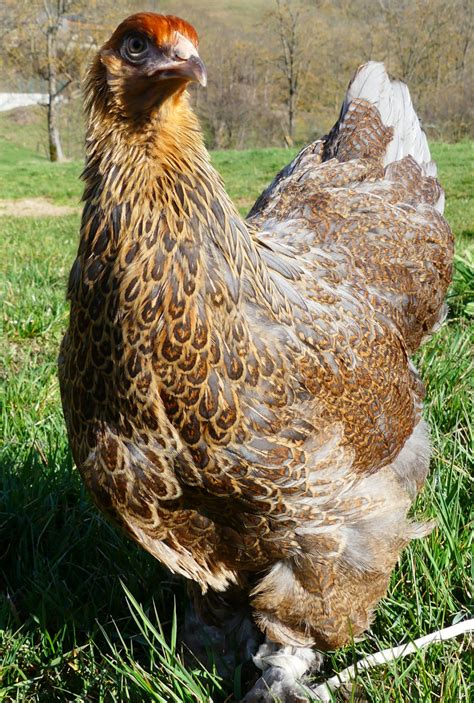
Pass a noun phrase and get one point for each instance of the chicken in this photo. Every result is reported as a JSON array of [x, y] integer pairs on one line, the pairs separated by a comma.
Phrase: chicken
[[238, 394]]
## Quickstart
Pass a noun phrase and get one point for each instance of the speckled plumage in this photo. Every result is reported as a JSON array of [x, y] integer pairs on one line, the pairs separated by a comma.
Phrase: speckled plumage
[[238, 393]]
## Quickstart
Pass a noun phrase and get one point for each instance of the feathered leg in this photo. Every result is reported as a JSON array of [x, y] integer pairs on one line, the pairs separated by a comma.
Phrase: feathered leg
[[304, 604]]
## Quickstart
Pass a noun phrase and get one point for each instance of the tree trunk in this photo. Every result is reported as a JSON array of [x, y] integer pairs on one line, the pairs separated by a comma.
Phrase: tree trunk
[[291, 111], [288, 23], [55, 148]]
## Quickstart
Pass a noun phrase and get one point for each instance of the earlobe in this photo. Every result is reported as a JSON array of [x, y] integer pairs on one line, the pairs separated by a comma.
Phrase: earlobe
[[115, 67], [105, 54]]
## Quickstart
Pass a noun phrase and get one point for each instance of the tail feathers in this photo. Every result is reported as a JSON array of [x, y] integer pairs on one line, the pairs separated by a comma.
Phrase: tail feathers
[[393, 101], [371, 84]]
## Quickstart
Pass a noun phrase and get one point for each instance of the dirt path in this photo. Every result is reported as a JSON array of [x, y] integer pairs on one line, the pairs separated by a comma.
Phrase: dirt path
[[34, 207]]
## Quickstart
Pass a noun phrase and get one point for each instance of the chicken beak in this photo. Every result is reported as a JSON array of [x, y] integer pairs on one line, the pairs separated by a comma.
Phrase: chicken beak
[[181, 61], [189, 69], [193, 69]]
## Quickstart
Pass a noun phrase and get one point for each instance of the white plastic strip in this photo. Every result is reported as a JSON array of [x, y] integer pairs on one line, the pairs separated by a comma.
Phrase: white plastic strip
[[323, 691]]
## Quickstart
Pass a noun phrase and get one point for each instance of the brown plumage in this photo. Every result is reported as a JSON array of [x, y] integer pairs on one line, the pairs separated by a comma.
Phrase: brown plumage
[[238, 393]]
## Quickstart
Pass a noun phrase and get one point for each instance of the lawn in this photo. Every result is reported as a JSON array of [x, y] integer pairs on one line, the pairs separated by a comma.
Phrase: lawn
[[85, 615]]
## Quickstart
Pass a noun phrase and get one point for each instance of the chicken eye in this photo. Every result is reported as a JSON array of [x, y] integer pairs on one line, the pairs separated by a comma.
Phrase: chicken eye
[[135, 48]]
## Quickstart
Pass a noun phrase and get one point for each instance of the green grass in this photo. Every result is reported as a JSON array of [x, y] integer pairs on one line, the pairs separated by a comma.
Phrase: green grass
[[246, 174], [24, 174], [71, 627]]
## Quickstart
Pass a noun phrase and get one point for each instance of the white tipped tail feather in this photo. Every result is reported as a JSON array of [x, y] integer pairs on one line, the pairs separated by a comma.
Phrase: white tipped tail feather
[[393, 101]]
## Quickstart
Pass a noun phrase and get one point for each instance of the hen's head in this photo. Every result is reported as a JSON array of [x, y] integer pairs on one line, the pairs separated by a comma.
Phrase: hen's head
[[148, 59]]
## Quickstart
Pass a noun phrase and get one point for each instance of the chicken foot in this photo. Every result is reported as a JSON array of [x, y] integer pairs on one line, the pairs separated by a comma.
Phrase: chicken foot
[[283, 668]]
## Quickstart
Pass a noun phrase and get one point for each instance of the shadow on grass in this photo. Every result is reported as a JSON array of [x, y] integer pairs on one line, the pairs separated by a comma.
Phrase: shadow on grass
[[62, 575]]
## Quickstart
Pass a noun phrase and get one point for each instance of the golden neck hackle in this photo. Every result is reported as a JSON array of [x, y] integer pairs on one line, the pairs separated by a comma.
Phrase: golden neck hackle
[[139, 154], [158, 166]]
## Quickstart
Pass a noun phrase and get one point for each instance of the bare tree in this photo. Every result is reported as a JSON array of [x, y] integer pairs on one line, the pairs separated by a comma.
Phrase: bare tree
[[69, 40], [56, 13], [289, 23], [429, 45], [50, 44]]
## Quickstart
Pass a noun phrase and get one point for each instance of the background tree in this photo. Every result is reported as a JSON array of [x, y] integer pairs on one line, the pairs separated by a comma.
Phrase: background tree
[[275, 66], [429, 45], [56, 16], [48, 46], [290, 22]]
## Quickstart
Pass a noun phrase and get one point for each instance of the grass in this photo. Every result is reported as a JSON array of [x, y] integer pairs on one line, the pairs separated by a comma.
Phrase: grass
[[85, 615], [246, 174]]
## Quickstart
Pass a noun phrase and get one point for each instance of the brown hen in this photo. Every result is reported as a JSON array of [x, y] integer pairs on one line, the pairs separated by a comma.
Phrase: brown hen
[[238, 393]]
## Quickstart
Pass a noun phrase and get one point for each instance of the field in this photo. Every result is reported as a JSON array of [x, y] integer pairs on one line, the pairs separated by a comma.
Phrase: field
[[85, 615]]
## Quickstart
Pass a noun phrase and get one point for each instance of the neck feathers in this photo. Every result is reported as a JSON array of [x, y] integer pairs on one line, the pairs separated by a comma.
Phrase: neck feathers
[[155, 205], [127, 157]]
